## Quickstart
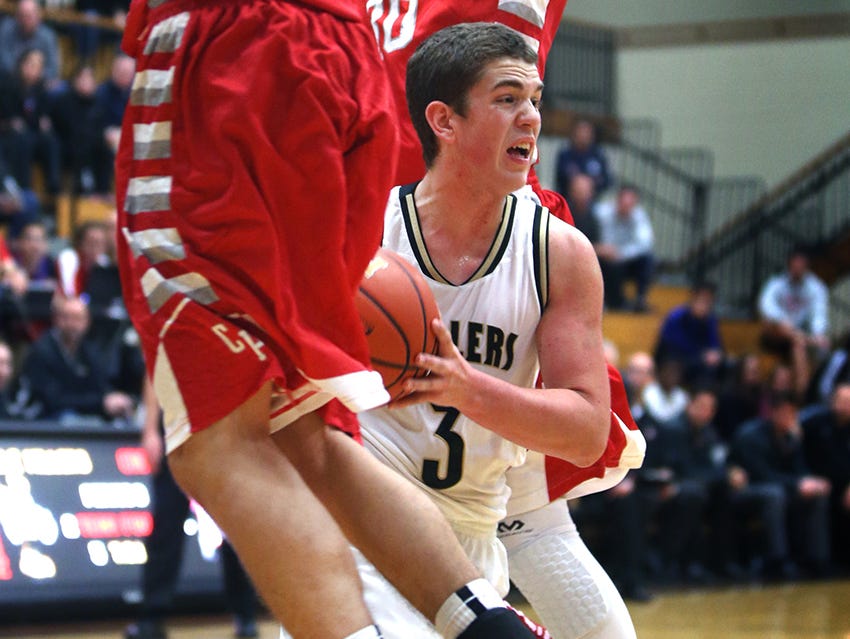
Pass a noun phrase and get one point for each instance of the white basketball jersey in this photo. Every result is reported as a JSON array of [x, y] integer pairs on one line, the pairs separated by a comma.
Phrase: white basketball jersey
[[493, 317]]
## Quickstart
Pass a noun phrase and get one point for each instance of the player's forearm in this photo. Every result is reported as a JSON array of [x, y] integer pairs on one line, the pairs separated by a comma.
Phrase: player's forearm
[[564, 423]]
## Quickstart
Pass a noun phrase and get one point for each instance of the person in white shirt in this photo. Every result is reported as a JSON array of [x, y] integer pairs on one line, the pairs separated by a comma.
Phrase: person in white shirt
[[794, 308], [625, 250]]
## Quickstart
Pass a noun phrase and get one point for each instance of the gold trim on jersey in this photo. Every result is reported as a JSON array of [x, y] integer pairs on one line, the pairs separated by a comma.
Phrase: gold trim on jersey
[[420, 249], [540, 243]]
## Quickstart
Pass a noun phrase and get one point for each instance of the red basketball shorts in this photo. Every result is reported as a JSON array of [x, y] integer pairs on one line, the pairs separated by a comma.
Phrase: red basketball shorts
[[256, 156]]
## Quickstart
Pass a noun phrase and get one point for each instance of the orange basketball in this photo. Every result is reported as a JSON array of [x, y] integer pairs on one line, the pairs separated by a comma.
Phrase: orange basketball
[[396, 307]]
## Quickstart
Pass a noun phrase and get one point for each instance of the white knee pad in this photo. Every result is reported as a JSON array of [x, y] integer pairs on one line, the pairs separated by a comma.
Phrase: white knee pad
[[559, 587], [561, 579]]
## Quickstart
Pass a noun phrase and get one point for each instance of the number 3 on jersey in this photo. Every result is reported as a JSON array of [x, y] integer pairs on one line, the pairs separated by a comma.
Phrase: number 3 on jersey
[[455, 444]]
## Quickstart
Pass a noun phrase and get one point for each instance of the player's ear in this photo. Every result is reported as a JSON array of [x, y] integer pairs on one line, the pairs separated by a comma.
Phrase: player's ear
[[439, 116]]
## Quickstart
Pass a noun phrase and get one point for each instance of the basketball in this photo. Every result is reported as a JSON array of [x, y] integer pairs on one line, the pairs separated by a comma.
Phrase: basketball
[[396, 307]]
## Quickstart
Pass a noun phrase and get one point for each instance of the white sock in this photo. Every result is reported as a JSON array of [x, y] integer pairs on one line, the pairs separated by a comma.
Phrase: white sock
[[464, 605], [369, 632]]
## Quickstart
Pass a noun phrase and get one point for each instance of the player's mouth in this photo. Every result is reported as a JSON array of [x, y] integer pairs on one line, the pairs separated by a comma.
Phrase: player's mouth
[[521, 151]]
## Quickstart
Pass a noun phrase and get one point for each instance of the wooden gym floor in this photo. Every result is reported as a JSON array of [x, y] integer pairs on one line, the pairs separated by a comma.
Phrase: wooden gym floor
[[794, 611]]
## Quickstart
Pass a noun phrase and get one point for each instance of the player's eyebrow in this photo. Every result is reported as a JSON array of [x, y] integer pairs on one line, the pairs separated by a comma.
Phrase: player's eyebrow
[[514, 84]]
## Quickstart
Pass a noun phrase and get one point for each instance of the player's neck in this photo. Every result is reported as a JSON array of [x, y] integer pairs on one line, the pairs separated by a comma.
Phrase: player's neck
[[458, 229], [464, 205]]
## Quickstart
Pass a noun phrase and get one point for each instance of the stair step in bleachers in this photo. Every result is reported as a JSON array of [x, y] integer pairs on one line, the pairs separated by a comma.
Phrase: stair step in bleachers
[[70, 213]]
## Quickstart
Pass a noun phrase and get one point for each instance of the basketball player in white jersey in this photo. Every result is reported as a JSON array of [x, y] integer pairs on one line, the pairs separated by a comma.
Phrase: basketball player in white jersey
[[519, 292], [549, 562]]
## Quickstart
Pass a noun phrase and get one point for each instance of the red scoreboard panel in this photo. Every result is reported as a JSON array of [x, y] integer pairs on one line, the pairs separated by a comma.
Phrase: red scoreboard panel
[[75, 508]]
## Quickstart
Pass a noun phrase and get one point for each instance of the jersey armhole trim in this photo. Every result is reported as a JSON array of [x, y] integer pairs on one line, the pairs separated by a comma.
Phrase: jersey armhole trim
[[540, 244]]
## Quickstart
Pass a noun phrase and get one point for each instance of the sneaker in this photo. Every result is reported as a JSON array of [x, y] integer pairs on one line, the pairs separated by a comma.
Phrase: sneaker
[[145, 629]]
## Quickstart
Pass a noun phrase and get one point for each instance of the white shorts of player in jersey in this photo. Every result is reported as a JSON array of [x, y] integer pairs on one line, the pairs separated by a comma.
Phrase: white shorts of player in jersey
[[396, 617], [556, 573]]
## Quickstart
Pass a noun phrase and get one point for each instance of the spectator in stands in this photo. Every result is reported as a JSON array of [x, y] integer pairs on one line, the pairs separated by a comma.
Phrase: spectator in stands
[[771, 451], [582, 156], [74, 264], [665, 399], [741, 396], [697, 453], [681, 473], [834, 370], [25, 31], [64, 374], [25, 124], [690, 334], [626, 248], [111, 97], [30, 251], [638, 374], [794, 307], [80, 128], [826, 437], [580, 197]]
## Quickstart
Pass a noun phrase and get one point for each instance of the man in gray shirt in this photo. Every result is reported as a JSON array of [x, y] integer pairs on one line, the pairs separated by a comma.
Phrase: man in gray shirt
[[625, 249], [26, 31]]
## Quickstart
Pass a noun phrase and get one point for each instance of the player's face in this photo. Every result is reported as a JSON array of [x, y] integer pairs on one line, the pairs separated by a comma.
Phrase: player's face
[[498, 136]]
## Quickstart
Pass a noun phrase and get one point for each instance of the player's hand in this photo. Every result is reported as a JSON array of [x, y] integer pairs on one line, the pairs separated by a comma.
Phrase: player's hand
[[117, 404], [449, 377]]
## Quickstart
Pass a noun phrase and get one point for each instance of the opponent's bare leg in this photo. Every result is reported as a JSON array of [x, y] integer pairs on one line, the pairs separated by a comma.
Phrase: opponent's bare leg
[[385, 516], [296, 555]]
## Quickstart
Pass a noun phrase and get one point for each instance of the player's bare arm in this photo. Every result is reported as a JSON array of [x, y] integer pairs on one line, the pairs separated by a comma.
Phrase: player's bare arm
[[570, 417]]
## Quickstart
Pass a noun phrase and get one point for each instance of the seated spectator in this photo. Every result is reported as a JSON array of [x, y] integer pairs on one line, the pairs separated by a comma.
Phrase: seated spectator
[[25, 124], [626, 248], [111, 98], [678, 476], [834, 370], [698, 454], [26, 31], [31, 253], [64, 374], [74, 264], [665, 399], [582, 156], [690, 334], [580, 196], [741, 396], [638, 374], [826, 437], [794, 308], [80, 128], [771, 451]]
